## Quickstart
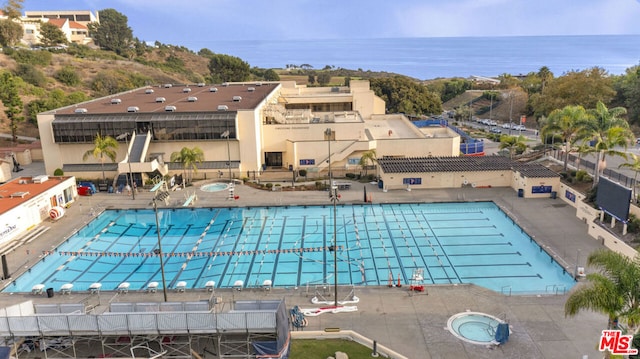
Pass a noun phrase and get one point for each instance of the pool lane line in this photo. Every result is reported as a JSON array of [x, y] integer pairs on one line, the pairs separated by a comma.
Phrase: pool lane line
[[212, 221], [444, 253], [60, 268]]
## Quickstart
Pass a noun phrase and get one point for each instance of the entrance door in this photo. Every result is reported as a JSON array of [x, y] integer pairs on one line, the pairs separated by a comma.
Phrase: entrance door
[[273, 159]]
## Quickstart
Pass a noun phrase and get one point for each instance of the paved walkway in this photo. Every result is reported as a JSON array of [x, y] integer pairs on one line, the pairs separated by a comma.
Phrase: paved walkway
[[412, 324]]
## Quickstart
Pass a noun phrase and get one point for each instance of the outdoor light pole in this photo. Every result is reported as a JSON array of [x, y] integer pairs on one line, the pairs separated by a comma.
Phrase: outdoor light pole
[[333, 195], [227, 135], [126, 141], [160, 254]]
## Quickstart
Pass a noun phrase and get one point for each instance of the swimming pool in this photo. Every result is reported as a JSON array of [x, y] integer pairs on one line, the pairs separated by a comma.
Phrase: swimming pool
[[452, 243], [474, 327], [214, 187]]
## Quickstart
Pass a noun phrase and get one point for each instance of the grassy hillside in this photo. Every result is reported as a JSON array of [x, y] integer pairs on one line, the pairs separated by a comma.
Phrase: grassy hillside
[[101, 73]]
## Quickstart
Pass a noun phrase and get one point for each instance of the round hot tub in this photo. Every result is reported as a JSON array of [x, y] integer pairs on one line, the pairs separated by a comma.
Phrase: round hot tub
[[474, 327], [214, 187]]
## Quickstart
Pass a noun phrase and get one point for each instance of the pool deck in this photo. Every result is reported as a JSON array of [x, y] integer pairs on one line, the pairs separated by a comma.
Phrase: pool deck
[[412, 324]]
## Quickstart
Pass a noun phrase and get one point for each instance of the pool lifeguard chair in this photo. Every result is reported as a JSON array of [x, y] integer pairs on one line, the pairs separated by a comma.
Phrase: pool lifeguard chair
[[416, 280], [237, 285]]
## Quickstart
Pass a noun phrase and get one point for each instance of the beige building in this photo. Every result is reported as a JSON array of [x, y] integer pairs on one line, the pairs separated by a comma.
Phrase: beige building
[[74, 24], [530, 180], [242, 128]]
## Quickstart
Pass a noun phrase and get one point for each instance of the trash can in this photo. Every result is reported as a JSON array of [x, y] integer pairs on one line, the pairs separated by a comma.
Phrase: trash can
[[380, 184], [50, 292], [520, 192], [554, 195]]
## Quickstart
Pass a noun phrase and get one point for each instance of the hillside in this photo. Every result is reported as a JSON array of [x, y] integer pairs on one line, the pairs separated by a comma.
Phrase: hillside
[[512, 103], [164, 64]]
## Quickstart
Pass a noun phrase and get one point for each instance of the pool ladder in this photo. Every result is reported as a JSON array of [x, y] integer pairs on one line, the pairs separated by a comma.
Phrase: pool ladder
[[556, 289]]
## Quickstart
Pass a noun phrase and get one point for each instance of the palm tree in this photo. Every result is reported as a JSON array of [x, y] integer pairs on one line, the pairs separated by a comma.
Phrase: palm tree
[[515, 144], [189, 157], [633, 165], [545, 76], [607, 130], [102, 146], [613, 290], [369, 156], [567, 122], [583, 149]]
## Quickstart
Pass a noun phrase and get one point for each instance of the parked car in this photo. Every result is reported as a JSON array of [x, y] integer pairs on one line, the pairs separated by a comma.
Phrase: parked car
[[495, 130], [506, 125], [519, 128]]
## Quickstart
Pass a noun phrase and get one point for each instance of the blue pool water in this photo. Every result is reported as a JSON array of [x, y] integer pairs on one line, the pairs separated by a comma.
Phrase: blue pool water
[[214, 187], [450, 242]]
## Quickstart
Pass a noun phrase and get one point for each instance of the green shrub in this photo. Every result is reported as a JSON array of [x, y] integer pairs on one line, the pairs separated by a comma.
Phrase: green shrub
[[583, 176], [350, 175], [633, 225], [302, 173], [30, 74], [269, 185], [58, 172], [68, 76], [35, 58]]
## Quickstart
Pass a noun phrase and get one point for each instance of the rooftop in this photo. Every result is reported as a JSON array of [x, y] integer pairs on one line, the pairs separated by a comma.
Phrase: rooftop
[[468, 164], [177, 98], [22, 189]]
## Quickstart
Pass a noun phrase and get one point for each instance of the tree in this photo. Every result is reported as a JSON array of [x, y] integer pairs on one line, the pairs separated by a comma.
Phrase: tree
[[567, 122], [404, 95], [612, 290], [271, 75], [102, 146], [12, 102], [324, 78], [515, 144], [13, 9], [578, 88], [189, 157], [545, 76], [10, 32], [608, 130], [51, 35], [112, 33], [226, 68], [369, 156], [634, 165]]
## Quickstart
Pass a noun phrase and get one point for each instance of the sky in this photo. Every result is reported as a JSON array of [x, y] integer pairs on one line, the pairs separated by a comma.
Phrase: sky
[[194, 23]]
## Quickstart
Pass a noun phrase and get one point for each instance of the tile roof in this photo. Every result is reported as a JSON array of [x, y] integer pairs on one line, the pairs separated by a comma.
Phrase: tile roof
[[59, 23], [462, 164], [185, 98], [20, 190]]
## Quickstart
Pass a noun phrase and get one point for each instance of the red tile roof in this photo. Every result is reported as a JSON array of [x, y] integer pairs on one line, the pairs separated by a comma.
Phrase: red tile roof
[[14, 193], [77, 25], [59, 23]]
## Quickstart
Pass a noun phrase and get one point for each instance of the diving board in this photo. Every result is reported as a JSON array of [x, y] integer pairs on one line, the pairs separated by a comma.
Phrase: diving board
[[190, 200], [157, 186]]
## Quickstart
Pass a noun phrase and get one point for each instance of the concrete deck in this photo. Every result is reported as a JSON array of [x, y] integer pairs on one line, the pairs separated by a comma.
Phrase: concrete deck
[[413, 324]]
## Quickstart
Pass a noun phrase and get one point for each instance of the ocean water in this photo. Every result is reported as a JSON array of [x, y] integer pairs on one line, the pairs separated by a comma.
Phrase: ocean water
[[428, 58]]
